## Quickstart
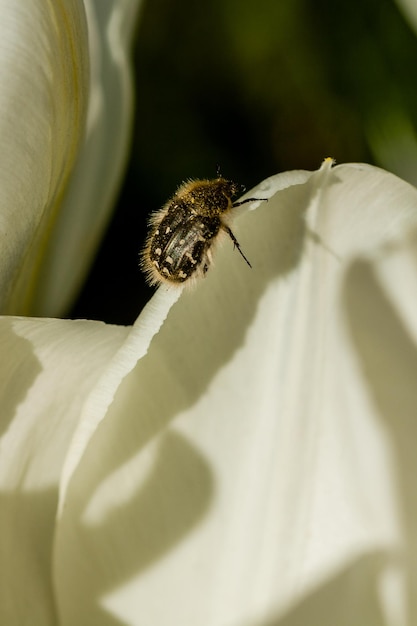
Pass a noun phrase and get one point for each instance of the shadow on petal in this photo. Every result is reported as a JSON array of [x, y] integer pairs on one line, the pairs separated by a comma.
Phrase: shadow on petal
[[27, 521], [387, 356], [18, 371], [133, 536]]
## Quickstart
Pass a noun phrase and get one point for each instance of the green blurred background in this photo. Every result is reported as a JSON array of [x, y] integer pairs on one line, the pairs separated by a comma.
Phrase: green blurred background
[[256, 87]]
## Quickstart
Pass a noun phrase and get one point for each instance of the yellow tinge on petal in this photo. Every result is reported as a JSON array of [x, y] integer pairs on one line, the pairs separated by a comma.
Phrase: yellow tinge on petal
[[43, 99]]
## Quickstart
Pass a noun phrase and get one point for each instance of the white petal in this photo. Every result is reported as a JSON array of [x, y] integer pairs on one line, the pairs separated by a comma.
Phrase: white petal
[[378, 298], [47, 370], [43, 64], [100, 164], [244, 466], [58, 378]]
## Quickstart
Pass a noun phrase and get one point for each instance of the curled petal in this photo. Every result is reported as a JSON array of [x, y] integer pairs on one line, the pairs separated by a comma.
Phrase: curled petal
[[44, 73], [244, 472], [100, 164], [255, 463]]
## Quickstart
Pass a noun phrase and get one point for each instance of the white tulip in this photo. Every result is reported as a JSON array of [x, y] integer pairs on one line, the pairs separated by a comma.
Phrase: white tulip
[[244, 453]]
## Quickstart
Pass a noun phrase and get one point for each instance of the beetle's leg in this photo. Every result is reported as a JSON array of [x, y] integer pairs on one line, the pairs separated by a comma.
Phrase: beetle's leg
[[235, 204], [236, 243]]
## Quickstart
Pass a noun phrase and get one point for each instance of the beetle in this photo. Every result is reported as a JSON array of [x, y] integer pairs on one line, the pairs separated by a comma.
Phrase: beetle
[[182, 233]]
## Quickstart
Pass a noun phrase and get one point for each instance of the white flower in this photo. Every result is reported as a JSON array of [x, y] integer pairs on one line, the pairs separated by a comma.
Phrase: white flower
[[249, 460], [244, 454]]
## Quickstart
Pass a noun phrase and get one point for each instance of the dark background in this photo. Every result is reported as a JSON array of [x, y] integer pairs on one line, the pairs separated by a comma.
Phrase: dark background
[[256, 88]]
